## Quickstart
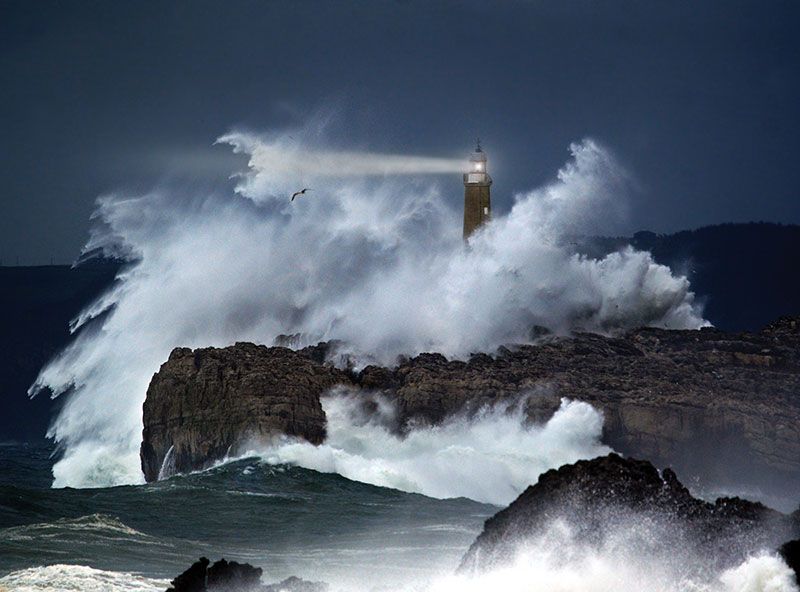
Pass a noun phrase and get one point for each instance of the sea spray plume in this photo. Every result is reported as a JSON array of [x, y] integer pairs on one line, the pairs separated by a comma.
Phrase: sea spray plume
[[490, 456], [627, 514], [375, 262], [516, 274], [629, 560]]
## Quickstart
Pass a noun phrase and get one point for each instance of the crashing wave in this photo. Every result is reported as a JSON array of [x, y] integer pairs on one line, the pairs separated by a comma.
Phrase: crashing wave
[[490, 456], [60, 577], [375, 262]]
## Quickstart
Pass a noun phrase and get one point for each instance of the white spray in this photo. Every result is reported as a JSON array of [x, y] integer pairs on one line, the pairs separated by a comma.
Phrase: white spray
[[557, 561], [489, 457], [377, 262]]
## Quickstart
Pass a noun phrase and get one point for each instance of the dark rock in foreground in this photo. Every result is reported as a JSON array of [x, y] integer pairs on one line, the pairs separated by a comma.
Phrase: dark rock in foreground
[[229, 576], [222, 576], [601, 498], [723, 408]]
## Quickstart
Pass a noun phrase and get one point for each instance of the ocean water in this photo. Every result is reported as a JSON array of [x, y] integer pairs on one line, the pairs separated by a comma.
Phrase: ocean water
[[290, 520], [287, 520]]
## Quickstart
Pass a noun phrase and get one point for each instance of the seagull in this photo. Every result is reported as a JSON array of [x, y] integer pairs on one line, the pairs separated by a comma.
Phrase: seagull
[[301, 192]]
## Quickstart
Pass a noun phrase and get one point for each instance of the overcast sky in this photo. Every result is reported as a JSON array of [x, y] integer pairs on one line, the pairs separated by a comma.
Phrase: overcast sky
[[699, 100]]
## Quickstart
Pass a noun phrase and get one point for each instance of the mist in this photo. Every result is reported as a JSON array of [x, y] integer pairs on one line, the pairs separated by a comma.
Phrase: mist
[[375, 261]]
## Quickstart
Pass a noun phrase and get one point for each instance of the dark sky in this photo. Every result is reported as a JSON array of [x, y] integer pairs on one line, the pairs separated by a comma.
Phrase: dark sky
[[701, 101]]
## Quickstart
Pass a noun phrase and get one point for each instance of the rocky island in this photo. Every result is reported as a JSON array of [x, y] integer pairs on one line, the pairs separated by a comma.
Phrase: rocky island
[[719, 407]]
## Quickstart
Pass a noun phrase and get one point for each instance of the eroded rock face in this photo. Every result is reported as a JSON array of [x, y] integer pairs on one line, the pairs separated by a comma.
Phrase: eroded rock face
[[602, 499], [205, 404], [719, 407], [723, 408]]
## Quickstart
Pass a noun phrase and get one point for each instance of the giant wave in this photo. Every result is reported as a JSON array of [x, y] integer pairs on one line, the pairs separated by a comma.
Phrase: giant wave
[[375, 261]]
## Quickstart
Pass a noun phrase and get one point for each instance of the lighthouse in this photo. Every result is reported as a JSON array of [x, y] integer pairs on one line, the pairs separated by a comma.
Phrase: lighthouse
[[477, 200]]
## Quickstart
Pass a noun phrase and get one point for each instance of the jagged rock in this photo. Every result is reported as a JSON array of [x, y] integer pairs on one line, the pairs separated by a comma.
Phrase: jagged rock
[[722, 408], [193, 579], [230, 576], [222, 576], [205, 404], [596, 496]]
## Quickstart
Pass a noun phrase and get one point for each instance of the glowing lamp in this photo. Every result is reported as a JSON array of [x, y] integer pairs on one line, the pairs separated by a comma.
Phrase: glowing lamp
[[477, 167]]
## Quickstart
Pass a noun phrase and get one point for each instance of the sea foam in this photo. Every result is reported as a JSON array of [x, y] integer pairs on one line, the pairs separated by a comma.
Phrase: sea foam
[[490, 456], [538, 570], [80, 578]]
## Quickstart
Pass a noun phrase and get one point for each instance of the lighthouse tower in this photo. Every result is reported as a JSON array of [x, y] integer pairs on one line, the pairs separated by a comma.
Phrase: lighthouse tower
[[477, 201]]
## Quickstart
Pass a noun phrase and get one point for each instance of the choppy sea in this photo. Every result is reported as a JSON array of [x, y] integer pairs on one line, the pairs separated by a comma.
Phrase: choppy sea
[[285, 519]]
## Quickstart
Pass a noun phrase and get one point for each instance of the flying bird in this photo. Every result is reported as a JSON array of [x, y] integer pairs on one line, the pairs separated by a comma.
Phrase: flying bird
[[301, 192]]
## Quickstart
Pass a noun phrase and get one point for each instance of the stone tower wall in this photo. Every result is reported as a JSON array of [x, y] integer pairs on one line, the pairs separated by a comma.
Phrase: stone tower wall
[[477, 206]]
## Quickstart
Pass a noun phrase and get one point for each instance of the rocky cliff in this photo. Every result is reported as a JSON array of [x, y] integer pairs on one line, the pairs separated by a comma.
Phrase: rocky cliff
[[720, 407], [205, 404], [609, 501]]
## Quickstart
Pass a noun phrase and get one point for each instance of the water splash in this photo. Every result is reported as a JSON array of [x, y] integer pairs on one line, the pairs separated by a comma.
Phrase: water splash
[[168, 465], [491, 456], [376, 262], [538, 570]]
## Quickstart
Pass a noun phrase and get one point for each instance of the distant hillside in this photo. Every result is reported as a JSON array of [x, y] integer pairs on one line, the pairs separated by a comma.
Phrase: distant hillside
[[747, 274], [36, 305]]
